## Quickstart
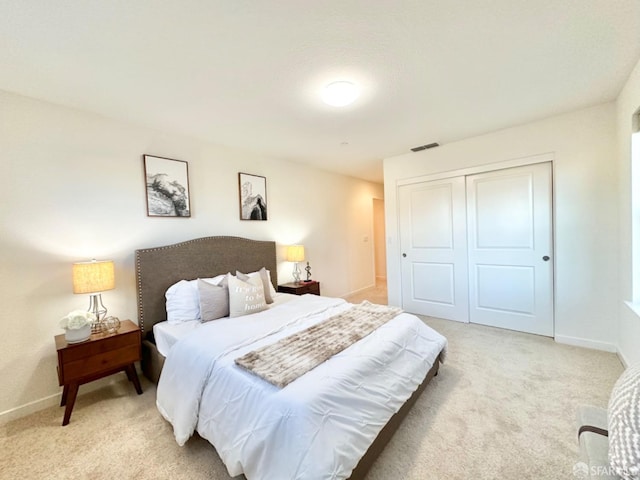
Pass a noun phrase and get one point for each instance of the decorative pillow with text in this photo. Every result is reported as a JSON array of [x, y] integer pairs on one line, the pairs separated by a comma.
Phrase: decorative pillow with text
[[246, 297], [263, 273]]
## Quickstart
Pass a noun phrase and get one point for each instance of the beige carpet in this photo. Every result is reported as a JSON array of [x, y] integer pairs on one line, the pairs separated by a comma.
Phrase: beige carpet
[[503, 406], [377, 294]]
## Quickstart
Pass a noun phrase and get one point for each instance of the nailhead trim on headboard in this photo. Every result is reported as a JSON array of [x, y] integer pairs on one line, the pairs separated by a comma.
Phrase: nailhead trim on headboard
[[158, 268]]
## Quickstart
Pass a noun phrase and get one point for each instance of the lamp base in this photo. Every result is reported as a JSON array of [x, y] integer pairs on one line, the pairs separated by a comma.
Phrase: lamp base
[[99, 310], [296, 273]]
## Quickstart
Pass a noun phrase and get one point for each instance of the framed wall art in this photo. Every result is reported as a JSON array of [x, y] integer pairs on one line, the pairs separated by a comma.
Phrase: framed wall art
[[167, 184], [253, 196]]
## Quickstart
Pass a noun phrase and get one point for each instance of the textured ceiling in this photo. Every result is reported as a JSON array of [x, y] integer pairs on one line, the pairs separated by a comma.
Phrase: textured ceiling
[[248, 74]]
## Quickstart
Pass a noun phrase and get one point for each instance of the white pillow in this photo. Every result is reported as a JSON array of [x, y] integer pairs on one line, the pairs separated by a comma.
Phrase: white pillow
[[246, 297], [183, 300], [624, 424]]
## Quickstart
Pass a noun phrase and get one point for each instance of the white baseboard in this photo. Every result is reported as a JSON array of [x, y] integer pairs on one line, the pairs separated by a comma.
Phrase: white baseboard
[[53, 400], [586, 343], [355, 292], [622, 358], [29, 408]]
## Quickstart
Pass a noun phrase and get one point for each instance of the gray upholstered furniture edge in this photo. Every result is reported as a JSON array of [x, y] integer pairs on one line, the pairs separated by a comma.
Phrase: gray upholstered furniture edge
[[594, 448]]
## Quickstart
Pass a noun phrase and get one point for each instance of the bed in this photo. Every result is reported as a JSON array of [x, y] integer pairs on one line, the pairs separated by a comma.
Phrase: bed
[[267, 438]]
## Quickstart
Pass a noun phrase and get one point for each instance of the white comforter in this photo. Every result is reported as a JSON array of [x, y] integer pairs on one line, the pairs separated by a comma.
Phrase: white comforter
[[320, 425]]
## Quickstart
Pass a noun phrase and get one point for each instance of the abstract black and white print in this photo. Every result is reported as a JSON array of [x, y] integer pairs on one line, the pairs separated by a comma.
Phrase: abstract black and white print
[[167, 187], [253, 197]]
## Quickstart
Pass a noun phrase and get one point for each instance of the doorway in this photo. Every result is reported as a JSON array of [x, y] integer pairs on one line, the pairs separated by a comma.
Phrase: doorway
[[379, 243], [378, 292]]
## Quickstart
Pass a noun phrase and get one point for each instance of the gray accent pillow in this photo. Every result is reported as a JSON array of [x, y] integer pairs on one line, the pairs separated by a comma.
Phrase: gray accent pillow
[[214, 301], [246, 297], [264, 276], [624, 424]]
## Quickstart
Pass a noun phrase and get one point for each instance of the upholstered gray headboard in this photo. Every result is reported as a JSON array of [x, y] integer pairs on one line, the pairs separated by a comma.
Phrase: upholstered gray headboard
[[158, 268]]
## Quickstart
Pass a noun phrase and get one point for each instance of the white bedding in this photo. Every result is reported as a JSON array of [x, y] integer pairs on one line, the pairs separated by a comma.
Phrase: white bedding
[[167, 334], [320, 425]]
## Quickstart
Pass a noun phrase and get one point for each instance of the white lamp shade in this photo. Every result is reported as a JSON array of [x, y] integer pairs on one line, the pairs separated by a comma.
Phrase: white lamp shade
[[93, 277], [295, 253]]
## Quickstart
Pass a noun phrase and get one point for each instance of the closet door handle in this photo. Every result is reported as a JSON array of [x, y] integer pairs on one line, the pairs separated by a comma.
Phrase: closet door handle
[[546, 258], [404, 254]]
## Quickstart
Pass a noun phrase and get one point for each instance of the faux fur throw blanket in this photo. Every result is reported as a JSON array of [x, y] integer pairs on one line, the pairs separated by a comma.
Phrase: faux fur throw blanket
[[289, 358]]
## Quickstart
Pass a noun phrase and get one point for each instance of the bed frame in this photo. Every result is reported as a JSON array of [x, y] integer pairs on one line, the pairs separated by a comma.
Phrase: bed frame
[[160, 267]]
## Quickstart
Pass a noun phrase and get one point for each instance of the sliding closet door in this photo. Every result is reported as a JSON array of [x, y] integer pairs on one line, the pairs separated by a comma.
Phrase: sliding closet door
[[434, 248], [510, 249]]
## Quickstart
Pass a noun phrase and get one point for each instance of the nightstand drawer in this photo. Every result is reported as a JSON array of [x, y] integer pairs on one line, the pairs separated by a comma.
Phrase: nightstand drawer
[[302, 288], [308, 288], [79, 351], [99, 363]]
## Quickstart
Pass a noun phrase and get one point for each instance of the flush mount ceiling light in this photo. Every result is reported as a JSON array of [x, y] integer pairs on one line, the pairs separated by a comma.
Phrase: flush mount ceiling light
[[339, 94]]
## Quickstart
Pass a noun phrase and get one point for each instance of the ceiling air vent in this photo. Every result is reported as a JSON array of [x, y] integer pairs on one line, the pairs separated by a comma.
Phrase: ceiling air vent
[[424, 147]]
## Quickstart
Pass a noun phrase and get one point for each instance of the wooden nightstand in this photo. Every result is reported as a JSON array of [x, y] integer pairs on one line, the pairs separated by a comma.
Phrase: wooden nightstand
[[101, 355], [300, 288]]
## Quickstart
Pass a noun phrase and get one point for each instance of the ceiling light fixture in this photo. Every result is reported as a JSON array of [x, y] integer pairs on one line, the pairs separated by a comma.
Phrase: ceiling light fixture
[[339, 94]]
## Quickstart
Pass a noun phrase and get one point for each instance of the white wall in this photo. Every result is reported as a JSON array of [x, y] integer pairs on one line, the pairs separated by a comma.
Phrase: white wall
[[586, 221], [73, 189], [629, 331], [380, 241]]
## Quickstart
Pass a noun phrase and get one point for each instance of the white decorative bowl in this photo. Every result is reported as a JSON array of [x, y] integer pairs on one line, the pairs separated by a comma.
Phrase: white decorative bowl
[[77, 335]]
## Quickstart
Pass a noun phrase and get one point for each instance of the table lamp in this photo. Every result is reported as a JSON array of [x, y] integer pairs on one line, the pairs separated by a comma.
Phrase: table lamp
[[295, 253], [94, 277]]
